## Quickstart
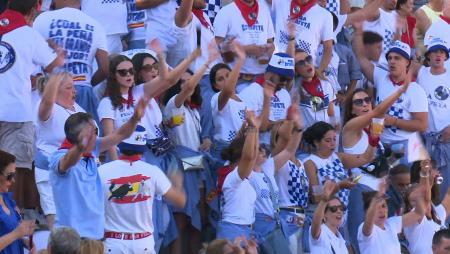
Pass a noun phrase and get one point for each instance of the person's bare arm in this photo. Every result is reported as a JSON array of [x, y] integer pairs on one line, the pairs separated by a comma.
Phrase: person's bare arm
[[414, 216], [108, 129], [311, 172], [103, 67], [59, 60], [26, 227], [326, 58], [147, 4], [74, 154], [126, 129], [358, 47], [423, 22], [357, 160], [176, 195], [292, 30], [419, 122], [371, 212], [370, 11], [249, 153], [319, 214], [183, 14], [49, 96]]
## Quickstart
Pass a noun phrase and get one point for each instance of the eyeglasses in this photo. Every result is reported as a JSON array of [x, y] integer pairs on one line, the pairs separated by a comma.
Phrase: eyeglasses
[[10, 176], [303, 62], [335, 208], [359, 102], [124, 72], [150, 67]]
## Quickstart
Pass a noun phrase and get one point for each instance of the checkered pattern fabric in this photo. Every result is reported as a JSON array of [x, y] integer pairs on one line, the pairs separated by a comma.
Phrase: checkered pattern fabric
[[333, 6], [306, 46], [395, 112], [212, 8], [159, 132], [298, 185], [231, 135], [335, 171], [387, 40]]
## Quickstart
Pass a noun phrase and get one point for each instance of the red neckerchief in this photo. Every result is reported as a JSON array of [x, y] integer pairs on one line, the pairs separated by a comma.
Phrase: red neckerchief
[[10, 20], [249, 13], [130, 158], [298, 10], [192, 105], [396, 83], [130, 100], [444, 18], [199, 14], [67, 145], [313, 87]]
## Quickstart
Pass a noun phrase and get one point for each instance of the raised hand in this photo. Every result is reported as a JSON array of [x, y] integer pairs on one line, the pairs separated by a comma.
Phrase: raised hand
[[251, 119], [269, 88], [155, 45], [139, 110], [329, 188], [57, 78], [86, 134]]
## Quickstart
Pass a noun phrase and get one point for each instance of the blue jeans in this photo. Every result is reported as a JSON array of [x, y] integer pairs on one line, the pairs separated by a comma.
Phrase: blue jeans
[[136, 44], [263, 226], [230, 231]]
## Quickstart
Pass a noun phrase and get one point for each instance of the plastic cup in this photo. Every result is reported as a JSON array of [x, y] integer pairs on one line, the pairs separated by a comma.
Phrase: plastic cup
[[377, 126], [177, 116]]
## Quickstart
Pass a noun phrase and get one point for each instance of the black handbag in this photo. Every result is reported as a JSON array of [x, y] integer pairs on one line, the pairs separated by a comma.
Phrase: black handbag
[[275, 242], [160, 146]]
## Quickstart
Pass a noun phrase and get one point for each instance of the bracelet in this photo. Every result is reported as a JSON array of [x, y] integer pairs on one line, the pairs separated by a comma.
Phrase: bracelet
[[291, 38], [423, 175]]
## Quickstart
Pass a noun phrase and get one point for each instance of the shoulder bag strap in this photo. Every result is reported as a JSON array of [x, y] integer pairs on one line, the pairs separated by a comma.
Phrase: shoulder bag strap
[[272, 198]]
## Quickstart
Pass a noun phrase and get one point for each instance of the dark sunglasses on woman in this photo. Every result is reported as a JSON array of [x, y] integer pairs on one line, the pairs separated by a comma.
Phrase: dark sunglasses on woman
[[359, 102], [124, 72], [9, 177], [335, 208], [150, 67], [303, 62]]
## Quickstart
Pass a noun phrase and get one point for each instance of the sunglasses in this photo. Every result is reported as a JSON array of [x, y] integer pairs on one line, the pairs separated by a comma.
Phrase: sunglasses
[[10, 176], [150, 67], [303, 62], [335, 208], [359, 102], [124, 72]]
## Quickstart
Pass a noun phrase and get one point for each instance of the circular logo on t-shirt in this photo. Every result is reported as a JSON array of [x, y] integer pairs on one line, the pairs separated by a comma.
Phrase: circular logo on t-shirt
[[441, 93], [7, 56]]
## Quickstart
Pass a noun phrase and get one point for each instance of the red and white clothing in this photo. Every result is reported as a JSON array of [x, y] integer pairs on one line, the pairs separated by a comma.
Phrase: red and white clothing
[[437, 89], [413, 100], [77, 33], [130, 188], [229, 22], [314, 112], [21, 50], [313, 27]]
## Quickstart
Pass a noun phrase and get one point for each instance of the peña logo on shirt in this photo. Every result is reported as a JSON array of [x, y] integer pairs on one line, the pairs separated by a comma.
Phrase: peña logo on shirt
[[441, 93], [128, 189], [7, 56]]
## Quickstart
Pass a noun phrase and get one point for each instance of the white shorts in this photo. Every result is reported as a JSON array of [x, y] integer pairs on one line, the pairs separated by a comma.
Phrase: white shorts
[[140, 246], [46, 197]]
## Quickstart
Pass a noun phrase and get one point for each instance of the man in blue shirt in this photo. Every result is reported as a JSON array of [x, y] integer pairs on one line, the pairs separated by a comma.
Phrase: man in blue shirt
[[77, 188]]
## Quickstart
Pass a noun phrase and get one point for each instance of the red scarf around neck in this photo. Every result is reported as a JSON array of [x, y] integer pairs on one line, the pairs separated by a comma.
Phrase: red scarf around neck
[[400, 83], [67, 145], [130, 158], [199, 14], [129, 102], [313, 87], [298, 10], [444, 18], [10, 20], [249, 13]]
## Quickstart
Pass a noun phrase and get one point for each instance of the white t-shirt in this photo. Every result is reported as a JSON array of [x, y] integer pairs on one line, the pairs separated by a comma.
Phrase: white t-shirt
[[313, 28], [328, 242], [437, 90], [79, 34], [151, 120], [294, 185], [238, 200], [260, 183], [160, 18], [129, 190], [228, 121], [230, 23], [381, 241], [111, 13], [311, 116], [136, 21], [438, 29], [331, 72], [385, 26], [21, 50], [413, 100], [187, 134], [189, 41], [420, 236]]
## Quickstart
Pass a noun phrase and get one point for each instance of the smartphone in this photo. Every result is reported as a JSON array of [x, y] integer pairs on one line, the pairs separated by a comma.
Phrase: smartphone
[[199, 36], [356, 179]]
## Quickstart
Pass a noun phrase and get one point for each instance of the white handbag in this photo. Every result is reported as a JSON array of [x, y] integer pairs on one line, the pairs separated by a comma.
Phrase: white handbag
[[193, 163]]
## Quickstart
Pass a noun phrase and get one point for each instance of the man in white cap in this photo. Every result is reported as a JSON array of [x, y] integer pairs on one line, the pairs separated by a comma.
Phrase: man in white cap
[[279, 74], [434, 80], [409, 114], [130, 186]]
